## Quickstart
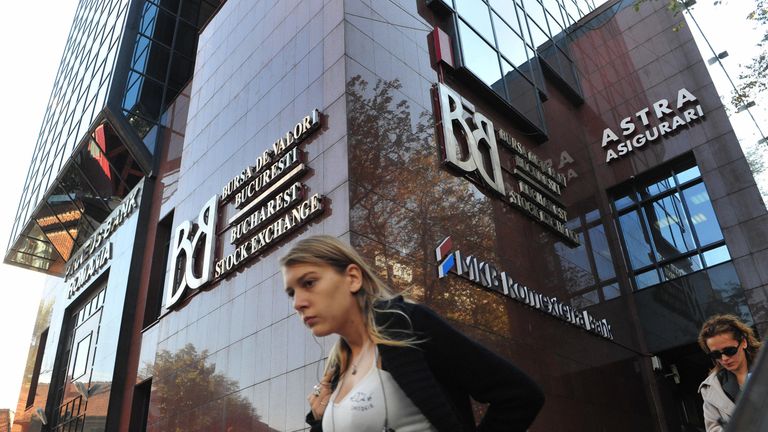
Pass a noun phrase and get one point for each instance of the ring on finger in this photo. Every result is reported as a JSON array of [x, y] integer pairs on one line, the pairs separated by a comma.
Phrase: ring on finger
[[316, 390]]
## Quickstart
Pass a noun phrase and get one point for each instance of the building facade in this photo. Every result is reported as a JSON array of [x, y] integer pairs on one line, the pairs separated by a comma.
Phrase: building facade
[[558, 179]]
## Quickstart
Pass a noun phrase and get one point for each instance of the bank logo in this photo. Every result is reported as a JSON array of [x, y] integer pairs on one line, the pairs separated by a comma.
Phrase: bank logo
[[443, 250], [192, 253], [469, 139], [487, 274]]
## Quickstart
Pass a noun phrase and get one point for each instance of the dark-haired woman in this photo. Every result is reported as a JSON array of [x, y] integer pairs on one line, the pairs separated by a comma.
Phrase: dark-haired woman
[[732, 346], [397, 366]]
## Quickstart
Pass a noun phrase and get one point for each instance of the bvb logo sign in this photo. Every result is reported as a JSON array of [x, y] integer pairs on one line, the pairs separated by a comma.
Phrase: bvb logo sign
[[470, 149], [196, 267]]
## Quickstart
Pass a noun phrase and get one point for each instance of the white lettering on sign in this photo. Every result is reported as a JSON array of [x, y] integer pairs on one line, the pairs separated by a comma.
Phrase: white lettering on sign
[[97, 262], [104, 231], [191, 260], [457, 114], [660, 109]]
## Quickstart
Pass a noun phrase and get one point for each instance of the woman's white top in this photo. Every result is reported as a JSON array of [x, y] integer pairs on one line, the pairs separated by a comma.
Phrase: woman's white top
[[363, 408]]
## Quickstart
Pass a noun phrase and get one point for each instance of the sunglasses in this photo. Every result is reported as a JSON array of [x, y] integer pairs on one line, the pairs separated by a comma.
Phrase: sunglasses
[[728, 352]]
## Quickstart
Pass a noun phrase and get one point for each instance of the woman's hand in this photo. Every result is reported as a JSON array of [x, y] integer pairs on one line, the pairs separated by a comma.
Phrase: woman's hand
[[320, 396]]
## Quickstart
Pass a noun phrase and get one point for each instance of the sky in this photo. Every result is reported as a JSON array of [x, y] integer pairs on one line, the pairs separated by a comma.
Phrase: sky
[[32, 39]]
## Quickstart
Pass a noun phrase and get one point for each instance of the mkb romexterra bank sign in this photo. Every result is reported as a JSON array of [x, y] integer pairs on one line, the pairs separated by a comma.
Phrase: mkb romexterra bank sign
[[470, 146], [97, 251], [488, 276], [264, 203], [669, 118]]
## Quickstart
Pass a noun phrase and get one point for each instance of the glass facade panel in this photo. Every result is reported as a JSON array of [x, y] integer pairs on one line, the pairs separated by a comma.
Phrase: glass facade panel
[[685, 236], [702, 214], [669, 226], [506, 10], [716, 256], [638, 245], [511, 44], [519, 33], [646, 279], [479, 57], [475, 13], [601, 253]]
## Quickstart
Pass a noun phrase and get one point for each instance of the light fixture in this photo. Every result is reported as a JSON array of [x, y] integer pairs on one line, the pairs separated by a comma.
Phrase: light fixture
[[745, 106], [718, 57], [40, 414], [86, 392]]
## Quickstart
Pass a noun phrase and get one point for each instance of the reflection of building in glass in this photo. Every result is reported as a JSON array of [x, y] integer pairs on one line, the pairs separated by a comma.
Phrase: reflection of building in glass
[[124, 62], [573, 268], [669, 226], [508, 45]]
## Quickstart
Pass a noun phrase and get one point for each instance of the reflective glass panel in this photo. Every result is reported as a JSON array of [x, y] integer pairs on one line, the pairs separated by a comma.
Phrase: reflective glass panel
[[646, 279], [702, 214], [611, 291], [511, 45], [574, 266], [659, 187], [669, 225], [601, 253], [689, 174], [716, 256], [506, 9], [476, 13], [478, 56], [585, 300], [681, 267], [638, 246]]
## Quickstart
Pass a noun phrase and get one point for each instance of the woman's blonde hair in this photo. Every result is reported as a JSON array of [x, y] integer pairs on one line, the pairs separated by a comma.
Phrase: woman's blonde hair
[[720, 324], [328, 250]]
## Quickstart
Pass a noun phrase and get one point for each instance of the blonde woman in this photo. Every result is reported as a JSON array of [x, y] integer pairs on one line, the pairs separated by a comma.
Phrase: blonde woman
[[732, 346], [397, 366]]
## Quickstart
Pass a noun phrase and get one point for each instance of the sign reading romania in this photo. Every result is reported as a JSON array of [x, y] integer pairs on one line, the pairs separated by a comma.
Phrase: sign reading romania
[[264, 203]]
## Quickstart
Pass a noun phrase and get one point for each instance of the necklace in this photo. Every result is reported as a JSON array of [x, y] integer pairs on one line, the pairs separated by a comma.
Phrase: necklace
[[357, 363], [383, 393]]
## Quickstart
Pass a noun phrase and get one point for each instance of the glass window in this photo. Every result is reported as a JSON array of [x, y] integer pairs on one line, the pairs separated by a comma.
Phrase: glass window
[[689, 174], [535, 12], [506, 9], [637, 244], [685, 236], [702, 214], [669, 226], [80, 365], [585, 300], [511, 45], [611, 291], [716, 256], [658, 187], [475, 12], [479, 57], [681, 267], [601, 253], [646, 279]]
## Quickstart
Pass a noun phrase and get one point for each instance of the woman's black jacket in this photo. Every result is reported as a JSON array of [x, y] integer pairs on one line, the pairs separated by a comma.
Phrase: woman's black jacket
[[441, 373]]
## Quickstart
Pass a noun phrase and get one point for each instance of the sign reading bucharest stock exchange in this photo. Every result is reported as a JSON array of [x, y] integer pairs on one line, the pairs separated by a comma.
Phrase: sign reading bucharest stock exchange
[[686, 111], [266, 201], [537, 188], [486, 274]]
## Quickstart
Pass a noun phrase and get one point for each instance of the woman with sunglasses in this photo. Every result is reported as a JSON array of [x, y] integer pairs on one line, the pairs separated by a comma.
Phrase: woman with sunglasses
[[732, 346], [396, 366]]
